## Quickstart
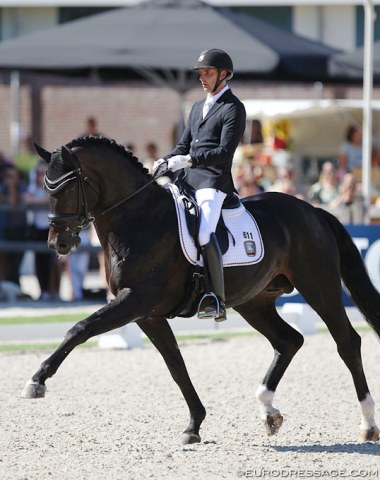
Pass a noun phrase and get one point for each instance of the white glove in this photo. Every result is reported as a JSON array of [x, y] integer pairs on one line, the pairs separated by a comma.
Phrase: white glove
[[179, 161], [157, 164]]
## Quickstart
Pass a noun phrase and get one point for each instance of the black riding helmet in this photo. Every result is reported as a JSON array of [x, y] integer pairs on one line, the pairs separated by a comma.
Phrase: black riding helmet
[[215, 58]]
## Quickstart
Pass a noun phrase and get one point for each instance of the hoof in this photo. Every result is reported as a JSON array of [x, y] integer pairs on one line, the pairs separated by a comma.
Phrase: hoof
[[188, 438], [33, 390], [273, 423], [370, 435]]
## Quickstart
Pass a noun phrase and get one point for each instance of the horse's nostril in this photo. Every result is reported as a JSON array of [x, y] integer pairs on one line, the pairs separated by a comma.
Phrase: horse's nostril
[[62, 246]]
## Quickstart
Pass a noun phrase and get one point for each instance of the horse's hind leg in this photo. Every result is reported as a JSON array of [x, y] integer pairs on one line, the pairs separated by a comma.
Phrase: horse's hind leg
[[286, 341], [330, 308], [162, 337]]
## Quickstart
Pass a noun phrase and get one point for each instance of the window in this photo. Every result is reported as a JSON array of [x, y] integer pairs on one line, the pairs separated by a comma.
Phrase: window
[[360, 25], [66, 14], [278, 16]]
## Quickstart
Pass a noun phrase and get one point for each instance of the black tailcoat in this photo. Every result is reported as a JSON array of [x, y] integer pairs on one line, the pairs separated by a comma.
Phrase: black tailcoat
[[211, 143]]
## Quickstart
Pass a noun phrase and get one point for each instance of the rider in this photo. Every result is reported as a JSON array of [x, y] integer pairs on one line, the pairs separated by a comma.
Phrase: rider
[[205, 152]]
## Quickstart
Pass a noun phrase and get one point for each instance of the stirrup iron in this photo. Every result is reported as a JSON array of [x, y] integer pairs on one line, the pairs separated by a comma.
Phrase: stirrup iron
[[213, 310]]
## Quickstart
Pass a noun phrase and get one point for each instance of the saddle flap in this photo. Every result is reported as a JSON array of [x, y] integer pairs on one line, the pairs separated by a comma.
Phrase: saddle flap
[[238, 225]]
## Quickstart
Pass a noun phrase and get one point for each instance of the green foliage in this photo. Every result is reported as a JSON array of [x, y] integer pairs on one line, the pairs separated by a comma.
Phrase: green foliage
[[26, 162]]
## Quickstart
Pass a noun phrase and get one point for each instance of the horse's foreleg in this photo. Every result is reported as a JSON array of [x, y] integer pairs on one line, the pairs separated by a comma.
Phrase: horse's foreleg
[[286, 341], [113, 315], [35, 387], [162, 337]]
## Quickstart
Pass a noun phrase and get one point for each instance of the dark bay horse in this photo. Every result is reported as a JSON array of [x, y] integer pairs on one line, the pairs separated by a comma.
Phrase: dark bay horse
[[94, 179]]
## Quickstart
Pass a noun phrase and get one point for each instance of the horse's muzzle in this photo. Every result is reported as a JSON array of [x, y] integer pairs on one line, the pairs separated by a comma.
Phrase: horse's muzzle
[[63, 243]]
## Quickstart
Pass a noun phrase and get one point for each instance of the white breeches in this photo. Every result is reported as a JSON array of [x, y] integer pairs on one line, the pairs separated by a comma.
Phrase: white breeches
[[210, 202]]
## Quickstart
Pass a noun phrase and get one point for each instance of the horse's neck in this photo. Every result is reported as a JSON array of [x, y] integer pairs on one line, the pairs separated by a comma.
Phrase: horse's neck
[[154, 205]]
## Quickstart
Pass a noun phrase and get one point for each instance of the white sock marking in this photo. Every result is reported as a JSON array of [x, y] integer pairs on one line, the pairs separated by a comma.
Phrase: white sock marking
[[368, 413], [265, 399]]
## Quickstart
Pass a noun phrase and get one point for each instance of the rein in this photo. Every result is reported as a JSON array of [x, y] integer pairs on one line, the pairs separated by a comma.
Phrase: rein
[[129, 197], [158, 175], [58, 220]]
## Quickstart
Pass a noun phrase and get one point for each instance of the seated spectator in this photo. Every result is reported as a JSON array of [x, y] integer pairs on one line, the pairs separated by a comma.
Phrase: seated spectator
[[11, 191], [347, 191], [326, 189], [286, 183], [248, 183], [47, 266]]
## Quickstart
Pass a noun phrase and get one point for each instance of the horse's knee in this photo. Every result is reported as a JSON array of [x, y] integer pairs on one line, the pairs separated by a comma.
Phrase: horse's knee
[[297, 341], [76, 333], [291, 344]]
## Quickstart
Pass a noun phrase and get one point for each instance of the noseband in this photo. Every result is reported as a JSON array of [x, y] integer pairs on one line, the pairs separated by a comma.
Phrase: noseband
[[82, 218]]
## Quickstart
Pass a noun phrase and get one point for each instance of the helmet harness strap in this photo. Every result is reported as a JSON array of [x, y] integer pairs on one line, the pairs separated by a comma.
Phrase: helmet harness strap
[[218, 80]]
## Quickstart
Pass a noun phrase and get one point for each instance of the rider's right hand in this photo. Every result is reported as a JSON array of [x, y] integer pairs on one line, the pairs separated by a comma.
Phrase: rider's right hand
[[157, 164]]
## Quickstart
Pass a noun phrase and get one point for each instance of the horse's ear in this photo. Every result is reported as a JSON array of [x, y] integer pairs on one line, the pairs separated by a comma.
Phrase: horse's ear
[[44, 154], [66, 154]]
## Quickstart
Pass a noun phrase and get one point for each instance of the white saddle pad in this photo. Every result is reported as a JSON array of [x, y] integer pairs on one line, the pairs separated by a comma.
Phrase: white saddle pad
[[248, 248]]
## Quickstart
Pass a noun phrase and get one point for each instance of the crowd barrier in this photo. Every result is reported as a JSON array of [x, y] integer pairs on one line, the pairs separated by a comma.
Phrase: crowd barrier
[[24, 245], [7, 246]]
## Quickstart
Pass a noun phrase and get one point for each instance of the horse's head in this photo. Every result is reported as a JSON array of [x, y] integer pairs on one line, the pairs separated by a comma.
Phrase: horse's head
[[72, 196]]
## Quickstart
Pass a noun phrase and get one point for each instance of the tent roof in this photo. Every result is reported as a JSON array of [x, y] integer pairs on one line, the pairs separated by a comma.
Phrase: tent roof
[[349, 65], [166, 34], [272, 109]]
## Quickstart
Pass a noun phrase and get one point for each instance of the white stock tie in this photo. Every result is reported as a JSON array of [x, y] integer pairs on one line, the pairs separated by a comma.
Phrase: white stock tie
[[207, 105]]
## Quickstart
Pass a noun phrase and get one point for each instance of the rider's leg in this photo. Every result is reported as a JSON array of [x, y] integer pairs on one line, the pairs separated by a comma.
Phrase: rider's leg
[[210, 202]]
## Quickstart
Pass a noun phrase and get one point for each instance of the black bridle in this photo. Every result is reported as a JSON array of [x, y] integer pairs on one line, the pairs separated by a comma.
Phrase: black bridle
[[82, 218]]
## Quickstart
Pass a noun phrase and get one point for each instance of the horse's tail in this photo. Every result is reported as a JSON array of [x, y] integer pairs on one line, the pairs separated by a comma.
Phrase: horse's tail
[[355, 275]]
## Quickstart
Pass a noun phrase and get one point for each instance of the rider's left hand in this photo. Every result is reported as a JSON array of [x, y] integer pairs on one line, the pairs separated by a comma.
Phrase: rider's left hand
[[179, 161]]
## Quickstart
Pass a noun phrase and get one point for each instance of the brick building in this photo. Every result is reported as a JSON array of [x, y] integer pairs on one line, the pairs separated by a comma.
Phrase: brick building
[[136, 111]]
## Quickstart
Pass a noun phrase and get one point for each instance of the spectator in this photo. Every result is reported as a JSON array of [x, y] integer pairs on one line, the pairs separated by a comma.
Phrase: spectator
[[4, 164], [91, 128], [256, 132], [246, 182], [11, 191], [326, 189], [78, 263], [350, 155], [152, 155], [286, 183], [77, 267], [47, 266], [347, 192]]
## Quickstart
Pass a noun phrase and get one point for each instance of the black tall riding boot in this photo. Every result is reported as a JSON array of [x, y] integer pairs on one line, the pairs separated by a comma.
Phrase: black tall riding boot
[[212, 304]]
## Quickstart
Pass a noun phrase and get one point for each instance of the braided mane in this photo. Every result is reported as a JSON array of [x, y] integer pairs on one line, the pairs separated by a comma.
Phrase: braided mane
[[107, 142]]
